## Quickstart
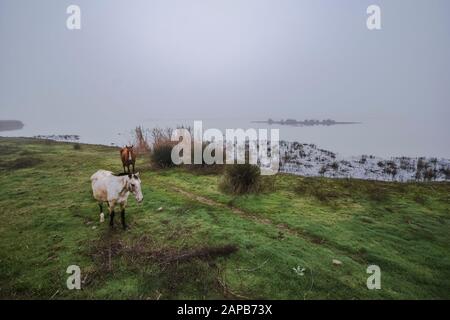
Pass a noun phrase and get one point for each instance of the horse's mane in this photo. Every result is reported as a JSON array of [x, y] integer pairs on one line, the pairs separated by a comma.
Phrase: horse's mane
[[120, 174], [125, 174]]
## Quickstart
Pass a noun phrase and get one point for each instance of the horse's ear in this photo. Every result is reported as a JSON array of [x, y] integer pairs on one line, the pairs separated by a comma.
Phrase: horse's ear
[[137, 174], [131, 147], [129, 175]]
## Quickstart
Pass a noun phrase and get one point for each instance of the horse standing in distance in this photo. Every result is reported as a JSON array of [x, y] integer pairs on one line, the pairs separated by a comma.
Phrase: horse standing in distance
[[128, 157]]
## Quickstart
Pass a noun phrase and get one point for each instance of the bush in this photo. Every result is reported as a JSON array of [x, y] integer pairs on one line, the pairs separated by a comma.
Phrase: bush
[[161, 156], [241, 179], [77, 146]]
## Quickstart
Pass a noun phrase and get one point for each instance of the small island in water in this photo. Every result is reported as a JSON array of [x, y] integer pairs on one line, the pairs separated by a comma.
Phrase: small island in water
[[7, 125], [297, 123]]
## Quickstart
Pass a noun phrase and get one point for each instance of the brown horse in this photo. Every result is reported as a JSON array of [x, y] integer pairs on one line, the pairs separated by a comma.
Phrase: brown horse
[[128, 158]]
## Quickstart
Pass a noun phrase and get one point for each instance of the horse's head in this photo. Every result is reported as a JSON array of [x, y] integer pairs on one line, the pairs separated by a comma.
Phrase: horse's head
[[134, 186]]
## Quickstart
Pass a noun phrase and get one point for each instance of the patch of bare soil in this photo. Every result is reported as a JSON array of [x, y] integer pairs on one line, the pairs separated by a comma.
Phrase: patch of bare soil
[[145, 249], [20, 163], [171, 268]]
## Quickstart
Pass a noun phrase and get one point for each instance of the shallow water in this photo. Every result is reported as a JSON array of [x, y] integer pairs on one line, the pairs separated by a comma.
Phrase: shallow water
[[380, 137]]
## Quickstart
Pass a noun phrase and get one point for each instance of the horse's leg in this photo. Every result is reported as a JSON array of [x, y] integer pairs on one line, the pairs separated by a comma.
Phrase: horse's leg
[[124, 171], [111, 214], [111, 219], [133, 167], [102, 215], [122, 216]]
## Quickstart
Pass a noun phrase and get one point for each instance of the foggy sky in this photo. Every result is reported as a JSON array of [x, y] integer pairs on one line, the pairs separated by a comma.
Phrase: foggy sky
[[224, 59]]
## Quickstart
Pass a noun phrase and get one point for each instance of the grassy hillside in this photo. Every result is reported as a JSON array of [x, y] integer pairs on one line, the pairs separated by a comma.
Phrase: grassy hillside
[[205, 244]]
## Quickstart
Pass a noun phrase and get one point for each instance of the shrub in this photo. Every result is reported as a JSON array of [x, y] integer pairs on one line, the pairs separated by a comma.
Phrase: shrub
[[161, 156], [241, 179], [77, 146]]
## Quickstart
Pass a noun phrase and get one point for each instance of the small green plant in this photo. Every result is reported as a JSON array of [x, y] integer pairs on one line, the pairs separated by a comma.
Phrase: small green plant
[[241, 179]]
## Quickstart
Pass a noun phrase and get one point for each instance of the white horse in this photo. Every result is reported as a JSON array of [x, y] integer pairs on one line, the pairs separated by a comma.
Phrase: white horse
[[112, 189]]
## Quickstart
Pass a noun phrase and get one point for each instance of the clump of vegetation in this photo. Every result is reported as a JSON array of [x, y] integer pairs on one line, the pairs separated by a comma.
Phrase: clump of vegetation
[[241, 179], [141, 140], [161, 153], [391, 169], [20, 163], [161, 156], [77, 146]]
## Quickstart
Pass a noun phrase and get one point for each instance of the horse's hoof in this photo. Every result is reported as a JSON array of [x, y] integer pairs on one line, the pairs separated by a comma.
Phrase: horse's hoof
[[102, 217]]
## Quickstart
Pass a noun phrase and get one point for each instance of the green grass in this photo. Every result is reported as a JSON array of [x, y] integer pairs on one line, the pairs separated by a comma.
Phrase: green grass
[[48, 221]]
